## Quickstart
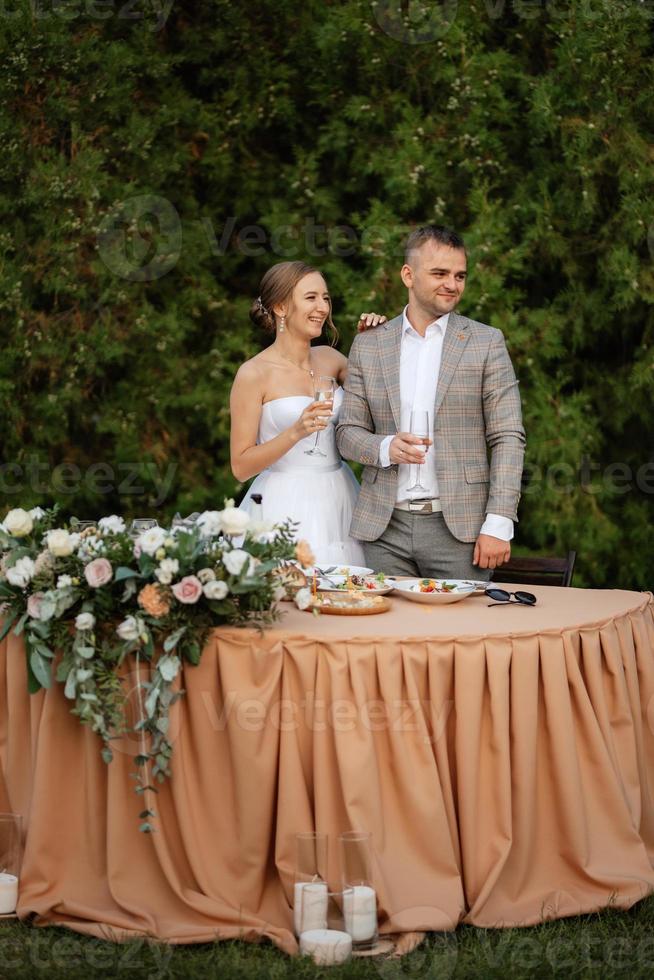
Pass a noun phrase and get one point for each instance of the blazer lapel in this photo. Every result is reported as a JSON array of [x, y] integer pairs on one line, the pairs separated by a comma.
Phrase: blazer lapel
[[389, 340], [457, 336]]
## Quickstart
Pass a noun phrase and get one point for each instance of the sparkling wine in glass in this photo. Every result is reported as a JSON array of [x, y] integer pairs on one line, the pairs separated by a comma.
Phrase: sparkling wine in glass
[[419, 427], [323, 392]]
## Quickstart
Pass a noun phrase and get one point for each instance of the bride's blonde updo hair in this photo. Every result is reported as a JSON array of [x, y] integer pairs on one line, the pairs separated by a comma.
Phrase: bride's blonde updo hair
[[276, 288]]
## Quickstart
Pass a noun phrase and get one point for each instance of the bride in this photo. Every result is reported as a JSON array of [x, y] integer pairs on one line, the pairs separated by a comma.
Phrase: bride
[[275, 418]]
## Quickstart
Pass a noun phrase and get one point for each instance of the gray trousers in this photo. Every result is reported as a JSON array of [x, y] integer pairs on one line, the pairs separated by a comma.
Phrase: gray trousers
[[422, 546]]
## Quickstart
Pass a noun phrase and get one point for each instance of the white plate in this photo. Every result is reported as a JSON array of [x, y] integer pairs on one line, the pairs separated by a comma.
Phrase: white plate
[[407, 588], [480, 587], [342, 570], [331, 585]]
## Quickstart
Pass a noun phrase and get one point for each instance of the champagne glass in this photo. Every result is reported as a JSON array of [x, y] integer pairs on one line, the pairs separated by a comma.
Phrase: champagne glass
[[419, 427], [323, 392]]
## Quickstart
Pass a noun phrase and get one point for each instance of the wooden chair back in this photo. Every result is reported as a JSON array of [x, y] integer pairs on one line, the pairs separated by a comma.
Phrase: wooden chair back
[[537, 571]]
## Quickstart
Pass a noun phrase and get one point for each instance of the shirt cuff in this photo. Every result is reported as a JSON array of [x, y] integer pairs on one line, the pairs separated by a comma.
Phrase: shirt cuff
[[385, 451], [498, 527]]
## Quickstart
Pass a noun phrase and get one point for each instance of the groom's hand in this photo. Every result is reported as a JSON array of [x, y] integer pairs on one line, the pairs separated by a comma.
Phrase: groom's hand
[[491, 552], [367, 321], [407, 448]]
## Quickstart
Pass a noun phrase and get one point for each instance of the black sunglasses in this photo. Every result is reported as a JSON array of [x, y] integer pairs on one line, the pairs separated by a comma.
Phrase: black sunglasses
[[501, 595]]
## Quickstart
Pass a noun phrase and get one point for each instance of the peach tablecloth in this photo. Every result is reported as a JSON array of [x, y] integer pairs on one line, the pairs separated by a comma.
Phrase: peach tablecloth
[[503, 759]]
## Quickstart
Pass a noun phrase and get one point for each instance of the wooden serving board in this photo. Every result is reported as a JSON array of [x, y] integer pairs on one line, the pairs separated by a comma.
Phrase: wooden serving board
[[383, 605]]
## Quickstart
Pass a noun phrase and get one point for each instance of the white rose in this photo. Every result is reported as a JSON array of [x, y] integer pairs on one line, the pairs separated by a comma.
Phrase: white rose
[[166, 571], [61, 544], [234, 521], [18, 523], [131, 628], [85, 621], [151, 540], [206, 575], [37, 513], [21, 573], [64, 582], [210, 523], [234, 561], [303, 598], [215, 589], [112, 525]]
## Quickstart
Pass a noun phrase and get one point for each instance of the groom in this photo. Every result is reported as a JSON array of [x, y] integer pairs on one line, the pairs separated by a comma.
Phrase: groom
[[458, 370]]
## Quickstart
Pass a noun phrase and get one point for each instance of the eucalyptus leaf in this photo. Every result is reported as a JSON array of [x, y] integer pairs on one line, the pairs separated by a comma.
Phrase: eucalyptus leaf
[[6, 626], [44, 650], [70, 689], [151, 702], [20, 624], [122, 573], [173, 639], [168, 667], [40, 668]]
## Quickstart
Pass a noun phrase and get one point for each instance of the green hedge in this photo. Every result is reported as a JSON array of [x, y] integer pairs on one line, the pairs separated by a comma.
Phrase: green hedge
[[136, 147]]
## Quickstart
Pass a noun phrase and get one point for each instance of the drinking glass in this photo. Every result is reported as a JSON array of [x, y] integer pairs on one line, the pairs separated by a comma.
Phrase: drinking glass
[[11, 854], [419, 426], [80, 526], [360, 898], [323, 392], [140, 524]]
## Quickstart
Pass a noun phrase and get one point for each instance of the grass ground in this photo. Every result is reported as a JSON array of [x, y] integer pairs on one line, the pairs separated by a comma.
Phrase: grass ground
[[609, 945]]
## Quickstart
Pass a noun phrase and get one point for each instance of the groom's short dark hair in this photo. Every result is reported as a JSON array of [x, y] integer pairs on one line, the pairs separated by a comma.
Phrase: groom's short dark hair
[[436, 233]]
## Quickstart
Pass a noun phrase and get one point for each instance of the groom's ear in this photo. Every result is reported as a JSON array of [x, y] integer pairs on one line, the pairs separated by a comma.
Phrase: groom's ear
[[406, 275]]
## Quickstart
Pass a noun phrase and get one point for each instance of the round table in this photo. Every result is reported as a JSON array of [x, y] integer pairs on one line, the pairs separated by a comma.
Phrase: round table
[[502, 757]]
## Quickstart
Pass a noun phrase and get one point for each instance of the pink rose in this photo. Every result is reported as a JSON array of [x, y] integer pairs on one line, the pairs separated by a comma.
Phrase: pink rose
[[34, 605], [188, 589], [98, 572]]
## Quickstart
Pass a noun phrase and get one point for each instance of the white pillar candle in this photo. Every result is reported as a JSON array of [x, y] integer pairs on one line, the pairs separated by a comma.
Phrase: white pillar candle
[[8, 893], [360, 912], [310, 906], [327, 947]]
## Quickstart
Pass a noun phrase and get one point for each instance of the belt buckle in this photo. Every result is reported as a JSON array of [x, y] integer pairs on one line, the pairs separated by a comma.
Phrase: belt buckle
[[420, 506]]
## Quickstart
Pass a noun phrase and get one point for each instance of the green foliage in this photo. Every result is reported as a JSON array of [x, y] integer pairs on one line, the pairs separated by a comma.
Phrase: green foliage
[[527, 126]]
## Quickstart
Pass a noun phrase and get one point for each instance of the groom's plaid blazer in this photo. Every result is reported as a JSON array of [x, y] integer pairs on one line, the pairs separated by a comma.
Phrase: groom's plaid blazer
[[476, 415]]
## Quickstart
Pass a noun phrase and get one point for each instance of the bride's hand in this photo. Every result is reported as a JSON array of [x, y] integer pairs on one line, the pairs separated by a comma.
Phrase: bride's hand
[[368, 321], [314, 419]]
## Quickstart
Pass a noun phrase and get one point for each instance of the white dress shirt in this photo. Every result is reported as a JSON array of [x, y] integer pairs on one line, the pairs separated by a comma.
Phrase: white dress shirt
[[420, 362]]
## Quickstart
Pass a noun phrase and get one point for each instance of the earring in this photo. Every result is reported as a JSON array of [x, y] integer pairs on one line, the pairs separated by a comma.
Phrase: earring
[[282, 324]]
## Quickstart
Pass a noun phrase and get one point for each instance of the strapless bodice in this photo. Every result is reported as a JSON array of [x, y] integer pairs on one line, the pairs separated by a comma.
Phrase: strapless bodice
[[280, 413]]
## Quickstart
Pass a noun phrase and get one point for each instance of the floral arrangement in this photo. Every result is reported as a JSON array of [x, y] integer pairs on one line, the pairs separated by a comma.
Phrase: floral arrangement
[[86, 600]]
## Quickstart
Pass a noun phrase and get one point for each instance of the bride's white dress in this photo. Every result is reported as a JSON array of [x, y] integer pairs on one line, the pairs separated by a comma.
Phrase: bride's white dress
[[319, 492]]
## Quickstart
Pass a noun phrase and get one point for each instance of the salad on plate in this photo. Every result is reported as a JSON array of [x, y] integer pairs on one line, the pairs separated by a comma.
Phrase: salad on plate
[[378, 583]]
